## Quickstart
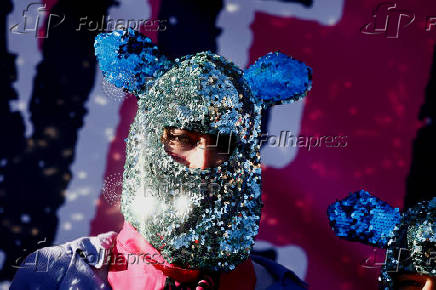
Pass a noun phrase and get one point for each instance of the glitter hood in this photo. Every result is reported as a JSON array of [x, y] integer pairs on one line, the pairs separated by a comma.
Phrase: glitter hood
[[409, 238], [197, 218]]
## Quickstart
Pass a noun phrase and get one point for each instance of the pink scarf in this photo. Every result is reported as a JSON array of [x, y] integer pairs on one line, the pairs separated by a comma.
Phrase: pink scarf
[[135, 264]]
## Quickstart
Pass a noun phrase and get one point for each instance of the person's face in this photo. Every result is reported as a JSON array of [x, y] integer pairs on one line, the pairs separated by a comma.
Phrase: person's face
[[196, 150], [414, 282]]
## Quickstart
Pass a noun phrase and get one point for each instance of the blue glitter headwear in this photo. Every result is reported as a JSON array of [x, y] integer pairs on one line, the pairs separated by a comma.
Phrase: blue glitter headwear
[[276, 78], [203, 219], [129, 60], [410, 238], [363, 218]]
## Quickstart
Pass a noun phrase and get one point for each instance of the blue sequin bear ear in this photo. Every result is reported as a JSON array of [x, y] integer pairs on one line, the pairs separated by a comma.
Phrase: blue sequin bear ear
[[129, 59], [364, 218], [276, 78]]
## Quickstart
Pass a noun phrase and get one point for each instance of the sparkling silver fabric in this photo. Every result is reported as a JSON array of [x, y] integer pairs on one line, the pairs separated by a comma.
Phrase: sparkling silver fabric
[[412, 249], [203, 219]]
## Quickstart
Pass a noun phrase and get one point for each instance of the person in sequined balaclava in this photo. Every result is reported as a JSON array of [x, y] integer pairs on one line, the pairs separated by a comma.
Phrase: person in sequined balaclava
[[191, 194], [199, 218], [409, 238], [411, 255]]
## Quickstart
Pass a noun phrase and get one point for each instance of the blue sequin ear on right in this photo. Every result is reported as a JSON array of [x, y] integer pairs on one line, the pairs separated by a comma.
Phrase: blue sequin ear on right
[[276, 78], [129, 60], [364, 218]]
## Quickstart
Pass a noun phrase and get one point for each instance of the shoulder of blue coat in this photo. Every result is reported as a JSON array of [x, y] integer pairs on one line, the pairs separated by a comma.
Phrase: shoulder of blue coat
[[42, 269], [47, 267], [281, 277]]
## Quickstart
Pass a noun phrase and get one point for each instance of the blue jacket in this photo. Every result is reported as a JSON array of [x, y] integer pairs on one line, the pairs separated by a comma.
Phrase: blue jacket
[[69, 266]]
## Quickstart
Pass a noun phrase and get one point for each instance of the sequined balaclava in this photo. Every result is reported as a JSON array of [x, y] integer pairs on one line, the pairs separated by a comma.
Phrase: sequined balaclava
[[410, 238], [200, 219]]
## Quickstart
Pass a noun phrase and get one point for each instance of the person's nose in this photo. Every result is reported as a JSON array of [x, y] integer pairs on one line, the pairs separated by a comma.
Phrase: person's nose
[[429, 284], [200, 156]]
